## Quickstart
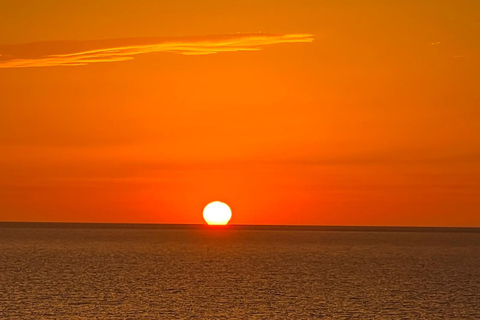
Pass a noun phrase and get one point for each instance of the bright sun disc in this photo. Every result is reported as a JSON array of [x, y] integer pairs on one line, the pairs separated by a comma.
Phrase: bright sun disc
[[217, 213]]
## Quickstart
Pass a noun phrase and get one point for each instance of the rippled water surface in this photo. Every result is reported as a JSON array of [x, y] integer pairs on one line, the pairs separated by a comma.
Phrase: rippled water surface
[[111, 273]]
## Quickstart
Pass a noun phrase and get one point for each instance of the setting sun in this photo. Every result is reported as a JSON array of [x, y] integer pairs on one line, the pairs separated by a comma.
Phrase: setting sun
[[217, 213]]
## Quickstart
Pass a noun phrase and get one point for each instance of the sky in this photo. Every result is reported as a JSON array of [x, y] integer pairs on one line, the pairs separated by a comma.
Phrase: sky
[[304, 112]]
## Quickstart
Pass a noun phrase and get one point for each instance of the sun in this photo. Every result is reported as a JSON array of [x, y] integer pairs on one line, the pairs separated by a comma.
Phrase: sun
[[217, 213]]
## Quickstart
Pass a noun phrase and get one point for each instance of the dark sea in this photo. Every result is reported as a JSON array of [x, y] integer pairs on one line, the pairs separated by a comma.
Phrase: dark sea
[[60, 271]]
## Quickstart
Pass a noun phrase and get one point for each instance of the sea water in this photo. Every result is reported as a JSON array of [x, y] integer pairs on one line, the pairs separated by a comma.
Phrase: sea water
[[93, 272]]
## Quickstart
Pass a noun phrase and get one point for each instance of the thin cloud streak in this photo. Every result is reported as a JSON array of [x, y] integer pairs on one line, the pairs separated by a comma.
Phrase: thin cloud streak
[[78, 53]]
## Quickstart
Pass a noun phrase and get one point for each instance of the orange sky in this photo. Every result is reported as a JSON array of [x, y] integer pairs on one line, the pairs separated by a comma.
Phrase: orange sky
[[176, 104]]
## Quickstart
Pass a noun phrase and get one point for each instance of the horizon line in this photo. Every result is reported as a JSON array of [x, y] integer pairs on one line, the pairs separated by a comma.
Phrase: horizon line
[[298, 227]]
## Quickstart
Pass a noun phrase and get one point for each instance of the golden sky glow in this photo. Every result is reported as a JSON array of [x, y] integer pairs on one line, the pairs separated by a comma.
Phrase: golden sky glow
[[321, 112]]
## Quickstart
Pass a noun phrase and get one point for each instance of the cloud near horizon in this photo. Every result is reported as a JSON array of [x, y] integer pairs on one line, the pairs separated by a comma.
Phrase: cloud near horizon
[[78, 53]]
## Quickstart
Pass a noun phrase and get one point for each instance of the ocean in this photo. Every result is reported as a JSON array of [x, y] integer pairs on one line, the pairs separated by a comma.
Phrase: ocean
[[67, 271]]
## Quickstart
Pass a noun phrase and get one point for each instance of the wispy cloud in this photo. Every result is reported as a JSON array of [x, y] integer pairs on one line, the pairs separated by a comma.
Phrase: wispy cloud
[[77, 53]]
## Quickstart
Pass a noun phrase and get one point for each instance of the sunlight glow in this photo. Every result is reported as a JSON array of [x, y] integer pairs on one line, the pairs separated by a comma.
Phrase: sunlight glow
[[217, 213]]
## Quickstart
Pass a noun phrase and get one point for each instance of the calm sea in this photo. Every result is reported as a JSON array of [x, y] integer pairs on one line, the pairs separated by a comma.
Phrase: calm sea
[[172, 272]]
